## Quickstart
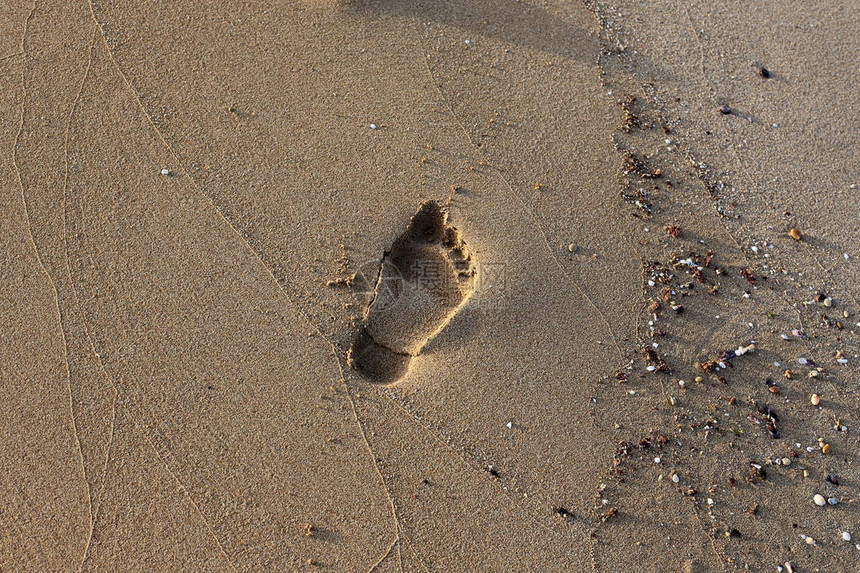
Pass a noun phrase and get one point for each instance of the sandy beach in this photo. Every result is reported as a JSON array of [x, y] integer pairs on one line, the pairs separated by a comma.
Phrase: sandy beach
[[396, 286]]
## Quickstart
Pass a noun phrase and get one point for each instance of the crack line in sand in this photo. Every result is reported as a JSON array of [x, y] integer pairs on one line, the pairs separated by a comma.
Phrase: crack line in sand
[[10, 56], [116, 387], [16, 145], [376, 565], [298, 308], [94, 511], [535, 218]]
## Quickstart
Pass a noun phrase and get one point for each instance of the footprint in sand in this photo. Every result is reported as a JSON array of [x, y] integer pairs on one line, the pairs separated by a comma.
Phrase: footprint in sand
[[424, 279]]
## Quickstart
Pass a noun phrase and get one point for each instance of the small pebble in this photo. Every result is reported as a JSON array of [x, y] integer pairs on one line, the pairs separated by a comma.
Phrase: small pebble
[[657, 460], [802, 361], [725, 109], [846, 536], [815, 399], [833, 501], [372, 126], [165, 171], [819, 500], [795, 234], [676, 478], [764, 72]]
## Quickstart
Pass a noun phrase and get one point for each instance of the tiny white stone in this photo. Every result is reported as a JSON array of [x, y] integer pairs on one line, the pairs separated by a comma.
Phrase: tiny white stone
[[510, 425], [165, 171], [846, 536], [676, 478], [833, 501], [651, 368], [803, 361], [372, 126], [657, 460], [467, 42], [815, 399], [710, 501], [786, 461], [819, 500]]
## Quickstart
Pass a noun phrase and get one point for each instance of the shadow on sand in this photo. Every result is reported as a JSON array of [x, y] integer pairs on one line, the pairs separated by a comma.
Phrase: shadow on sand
[[507, 21]]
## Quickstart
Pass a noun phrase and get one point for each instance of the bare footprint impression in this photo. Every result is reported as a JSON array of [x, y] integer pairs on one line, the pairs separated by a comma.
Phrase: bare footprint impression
[[424, 280]]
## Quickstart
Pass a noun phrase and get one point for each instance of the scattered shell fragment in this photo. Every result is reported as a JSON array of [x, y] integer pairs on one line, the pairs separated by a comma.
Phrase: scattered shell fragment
[[819, 500], [833, 500], [846, 536], [825, 449]]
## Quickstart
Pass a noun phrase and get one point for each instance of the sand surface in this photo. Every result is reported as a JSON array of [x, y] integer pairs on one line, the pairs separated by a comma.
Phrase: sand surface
[[400, 286]]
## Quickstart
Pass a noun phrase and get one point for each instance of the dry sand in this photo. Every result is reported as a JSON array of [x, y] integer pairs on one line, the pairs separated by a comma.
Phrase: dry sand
[[197, 203]]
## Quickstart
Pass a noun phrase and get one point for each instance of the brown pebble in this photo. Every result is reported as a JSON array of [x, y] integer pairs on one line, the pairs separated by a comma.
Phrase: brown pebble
[[795, 234]]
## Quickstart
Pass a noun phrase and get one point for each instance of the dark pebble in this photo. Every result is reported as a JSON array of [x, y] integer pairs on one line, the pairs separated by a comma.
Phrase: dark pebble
[[764, 72], [725, 109]]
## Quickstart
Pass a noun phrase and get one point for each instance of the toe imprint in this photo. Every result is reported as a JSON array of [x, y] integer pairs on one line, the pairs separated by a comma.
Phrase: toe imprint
[[425, 278]]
